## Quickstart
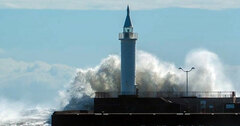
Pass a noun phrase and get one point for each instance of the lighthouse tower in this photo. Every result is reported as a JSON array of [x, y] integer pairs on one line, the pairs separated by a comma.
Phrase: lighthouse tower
[[128, 51]]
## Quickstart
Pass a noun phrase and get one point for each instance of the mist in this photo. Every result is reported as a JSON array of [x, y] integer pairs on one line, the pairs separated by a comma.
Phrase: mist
[[152, 74]]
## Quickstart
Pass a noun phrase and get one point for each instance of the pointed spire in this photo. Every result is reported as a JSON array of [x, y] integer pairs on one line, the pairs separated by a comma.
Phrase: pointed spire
[[128, 22], [128, 10]]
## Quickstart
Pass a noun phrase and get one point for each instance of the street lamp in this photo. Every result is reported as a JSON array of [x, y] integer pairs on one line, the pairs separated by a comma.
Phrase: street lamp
[[186, 71]]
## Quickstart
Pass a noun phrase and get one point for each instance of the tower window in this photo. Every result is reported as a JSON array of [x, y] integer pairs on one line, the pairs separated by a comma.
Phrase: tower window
[[127, 29]]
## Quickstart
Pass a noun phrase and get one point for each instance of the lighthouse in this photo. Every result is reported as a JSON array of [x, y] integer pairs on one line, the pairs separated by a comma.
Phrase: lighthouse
[[128, 52]]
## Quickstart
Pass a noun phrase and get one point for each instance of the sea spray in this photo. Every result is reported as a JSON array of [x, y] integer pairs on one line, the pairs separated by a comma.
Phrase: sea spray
[[152, 74], [210, 73], [14, 113]]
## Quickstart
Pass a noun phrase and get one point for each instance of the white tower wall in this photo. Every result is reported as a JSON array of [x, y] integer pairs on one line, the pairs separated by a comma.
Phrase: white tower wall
[[128, 52]]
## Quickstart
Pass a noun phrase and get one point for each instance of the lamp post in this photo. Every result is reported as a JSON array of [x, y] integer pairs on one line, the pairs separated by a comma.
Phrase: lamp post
[[186, 71]]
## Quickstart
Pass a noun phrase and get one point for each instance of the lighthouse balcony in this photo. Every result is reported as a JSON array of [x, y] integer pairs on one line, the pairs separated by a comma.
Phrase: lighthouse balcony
[[128, 35]]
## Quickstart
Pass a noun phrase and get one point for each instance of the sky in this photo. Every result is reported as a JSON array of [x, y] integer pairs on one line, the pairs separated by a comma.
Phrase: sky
[[43, 42]]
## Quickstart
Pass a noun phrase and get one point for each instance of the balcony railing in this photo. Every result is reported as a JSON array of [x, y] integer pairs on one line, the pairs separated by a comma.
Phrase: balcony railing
[[199, 94], [128, 35]]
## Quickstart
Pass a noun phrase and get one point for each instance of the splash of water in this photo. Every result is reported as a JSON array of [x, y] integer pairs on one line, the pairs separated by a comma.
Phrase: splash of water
[[152, 75], [16, 113]]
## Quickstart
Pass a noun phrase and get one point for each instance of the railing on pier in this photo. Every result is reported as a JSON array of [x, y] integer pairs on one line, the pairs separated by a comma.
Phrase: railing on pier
[[199, 94]]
